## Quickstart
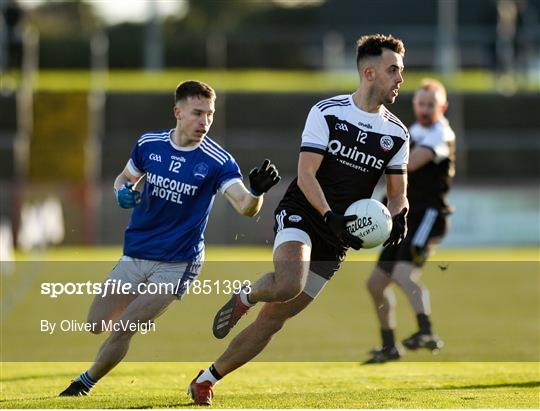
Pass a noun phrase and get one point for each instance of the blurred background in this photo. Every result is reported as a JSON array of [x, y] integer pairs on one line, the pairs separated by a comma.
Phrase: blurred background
[[80, 81]]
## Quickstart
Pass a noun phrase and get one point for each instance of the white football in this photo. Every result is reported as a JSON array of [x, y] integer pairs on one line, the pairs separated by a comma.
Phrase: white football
[[374, 222]]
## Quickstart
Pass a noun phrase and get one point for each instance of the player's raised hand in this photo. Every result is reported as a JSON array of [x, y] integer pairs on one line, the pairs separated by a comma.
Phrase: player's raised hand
[[399, 228], [127, 197], [338, 225], [264, 178]]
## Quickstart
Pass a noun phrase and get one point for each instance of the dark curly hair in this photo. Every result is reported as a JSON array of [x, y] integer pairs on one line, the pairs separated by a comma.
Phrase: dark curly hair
[[373, 45]]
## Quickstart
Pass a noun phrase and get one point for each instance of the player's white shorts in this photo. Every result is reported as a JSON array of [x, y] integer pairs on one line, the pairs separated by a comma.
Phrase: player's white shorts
[[171, 278]]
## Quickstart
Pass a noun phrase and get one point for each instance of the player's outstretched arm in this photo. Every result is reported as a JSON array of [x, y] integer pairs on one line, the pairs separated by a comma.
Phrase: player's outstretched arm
[[242, 200], [261, 180]]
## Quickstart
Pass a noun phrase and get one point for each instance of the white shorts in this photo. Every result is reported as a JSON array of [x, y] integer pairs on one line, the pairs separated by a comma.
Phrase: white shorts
[[314, 283], [174, 276]]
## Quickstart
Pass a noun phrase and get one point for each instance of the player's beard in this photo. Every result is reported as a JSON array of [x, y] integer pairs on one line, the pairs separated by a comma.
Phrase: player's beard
[[388, 98], [425, 120]]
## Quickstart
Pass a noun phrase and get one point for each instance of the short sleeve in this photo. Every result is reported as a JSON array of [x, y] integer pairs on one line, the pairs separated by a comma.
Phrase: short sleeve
[[229, 174], [135, 164], [398, 163], [316, 133], [437, 141]]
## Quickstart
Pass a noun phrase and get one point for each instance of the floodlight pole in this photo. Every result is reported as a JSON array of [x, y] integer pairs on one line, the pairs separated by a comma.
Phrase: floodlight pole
[[25, 102], [216, 50], [334, 51], [99, 47], [446, 57], [3, 41], [153, 44]]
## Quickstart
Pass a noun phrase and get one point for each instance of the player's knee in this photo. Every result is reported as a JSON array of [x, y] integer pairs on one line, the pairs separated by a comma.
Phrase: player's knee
[[405, 280], [96, 325], [96, 330], [288, 285], [288, 291], [375, 287]]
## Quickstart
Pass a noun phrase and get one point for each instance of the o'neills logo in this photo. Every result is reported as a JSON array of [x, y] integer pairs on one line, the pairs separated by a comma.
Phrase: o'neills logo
[[335, 147], [359, 223]]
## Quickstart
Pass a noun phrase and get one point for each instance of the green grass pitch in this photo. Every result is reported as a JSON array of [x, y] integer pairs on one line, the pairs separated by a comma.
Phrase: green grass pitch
[[284, 385], [421, 383]]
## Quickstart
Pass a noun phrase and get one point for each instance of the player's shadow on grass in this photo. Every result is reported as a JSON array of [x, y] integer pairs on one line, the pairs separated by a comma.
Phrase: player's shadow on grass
[[81, 402], [36, 377], [180, 404], [165, 404], [527, 384], [29, 399]]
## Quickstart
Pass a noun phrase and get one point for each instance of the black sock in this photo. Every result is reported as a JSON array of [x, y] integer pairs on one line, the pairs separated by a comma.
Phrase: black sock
[[387, 338], [214, 372], [423, 323]]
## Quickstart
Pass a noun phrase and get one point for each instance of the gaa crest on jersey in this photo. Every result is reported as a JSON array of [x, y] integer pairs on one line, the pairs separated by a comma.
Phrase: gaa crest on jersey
[[200, 171], [155, 157], [295, 218], [387, 143]]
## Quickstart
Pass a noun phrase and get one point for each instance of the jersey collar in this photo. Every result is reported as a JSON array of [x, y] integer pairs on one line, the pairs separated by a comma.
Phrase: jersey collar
[[365, 113], [179, 148]]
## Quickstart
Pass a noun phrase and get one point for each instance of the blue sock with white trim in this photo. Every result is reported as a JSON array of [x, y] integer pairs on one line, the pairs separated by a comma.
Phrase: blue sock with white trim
[[86, 380]]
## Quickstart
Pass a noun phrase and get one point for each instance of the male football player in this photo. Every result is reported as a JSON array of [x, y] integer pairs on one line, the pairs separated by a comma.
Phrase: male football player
[[431, 169], [348, 142], [183, 170]]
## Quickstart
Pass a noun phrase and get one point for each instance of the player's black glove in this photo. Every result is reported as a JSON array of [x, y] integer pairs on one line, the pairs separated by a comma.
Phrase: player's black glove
[[127, 197], [399, 229], [263, 179], [338, 225]]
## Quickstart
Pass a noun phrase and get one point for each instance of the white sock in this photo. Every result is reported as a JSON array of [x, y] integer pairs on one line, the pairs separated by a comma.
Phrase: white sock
[[244, 298], [207, 376]]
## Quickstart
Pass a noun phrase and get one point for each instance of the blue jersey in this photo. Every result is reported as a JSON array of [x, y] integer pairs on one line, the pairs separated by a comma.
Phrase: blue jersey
[[179, 190]]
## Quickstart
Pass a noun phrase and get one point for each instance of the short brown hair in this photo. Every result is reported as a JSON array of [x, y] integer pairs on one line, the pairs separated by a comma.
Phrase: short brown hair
[[373, 45], [430, 84], [193, 88]]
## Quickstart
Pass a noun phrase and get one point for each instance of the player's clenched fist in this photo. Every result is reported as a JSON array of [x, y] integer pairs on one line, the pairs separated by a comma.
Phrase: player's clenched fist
[[338, 225], [399, 229], [264, 178], [127, 197]]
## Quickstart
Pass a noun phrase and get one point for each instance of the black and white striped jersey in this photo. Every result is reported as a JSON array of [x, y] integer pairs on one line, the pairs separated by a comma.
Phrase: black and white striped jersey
[[429, 185], [358, 147]]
